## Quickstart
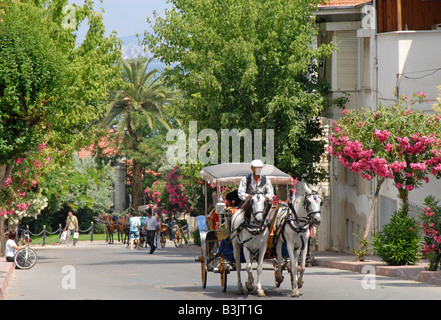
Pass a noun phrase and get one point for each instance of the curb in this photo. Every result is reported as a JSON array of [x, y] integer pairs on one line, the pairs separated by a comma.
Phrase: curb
[[6, 270], [415, 272]]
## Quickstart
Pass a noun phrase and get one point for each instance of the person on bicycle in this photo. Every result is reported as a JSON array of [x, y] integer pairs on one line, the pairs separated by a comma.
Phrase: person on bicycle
[[256, 180], [11, 246]]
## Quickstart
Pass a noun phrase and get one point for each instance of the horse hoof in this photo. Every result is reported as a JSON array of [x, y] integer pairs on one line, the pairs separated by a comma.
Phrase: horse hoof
[[250, 287], [295, 294], [239, 292], [279, 281], [261, 293]]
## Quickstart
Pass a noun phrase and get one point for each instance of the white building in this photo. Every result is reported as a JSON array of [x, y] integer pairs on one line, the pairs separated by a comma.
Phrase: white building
[[385, 48]]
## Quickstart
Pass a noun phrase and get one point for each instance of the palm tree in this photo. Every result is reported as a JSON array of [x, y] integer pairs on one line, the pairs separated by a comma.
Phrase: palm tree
[[140, 102]]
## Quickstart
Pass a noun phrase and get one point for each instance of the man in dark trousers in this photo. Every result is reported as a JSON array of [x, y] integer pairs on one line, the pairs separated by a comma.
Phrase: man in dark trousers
[[152, 227]]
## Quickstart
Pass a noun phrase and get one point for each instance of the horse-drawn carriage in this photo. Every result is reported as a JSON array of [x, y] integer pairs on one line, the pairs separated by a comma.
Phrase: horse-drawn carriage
[[241, 234]]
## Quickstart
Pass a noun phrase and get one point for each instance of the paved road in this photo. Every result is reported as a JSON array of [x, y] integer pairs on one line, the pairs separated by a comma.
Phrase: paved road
[[101, 271]]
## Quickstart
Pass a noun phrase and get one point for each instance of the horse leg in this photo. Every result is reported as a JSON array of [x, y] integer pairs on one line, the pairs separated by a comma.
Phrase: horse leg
[[108, 234], [303, 262], [236, 251], [249, 263], [260, 291], [279, 277], [294, 259]]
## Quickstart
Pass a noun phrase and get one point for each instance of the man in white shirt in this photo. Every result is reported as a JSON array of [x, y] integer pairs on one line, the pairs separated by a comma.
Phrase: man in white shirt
[[152, 227], [135, 223], [256, 180]]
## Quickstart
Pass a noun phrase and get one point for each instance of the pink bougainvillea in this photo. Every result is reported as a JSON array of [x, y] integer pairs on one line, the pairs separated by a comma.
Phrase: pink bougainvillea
[[170, 197]]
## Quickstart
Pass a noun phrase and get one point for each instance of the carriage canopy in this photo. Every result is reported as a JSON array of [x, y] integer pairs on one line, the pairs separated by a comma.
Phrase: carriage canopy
[[232, 173]]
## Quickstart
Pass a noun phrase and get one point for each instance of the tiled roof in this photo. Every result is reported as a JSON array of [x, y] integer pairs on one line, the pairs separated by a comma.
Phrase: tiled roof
[[103, 144], [341, 3]]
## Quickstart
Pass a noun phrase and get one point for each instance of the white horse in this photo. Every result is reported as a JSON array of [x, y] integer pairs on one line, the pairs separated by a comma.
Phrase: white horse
[[295, 229], [250, 232]]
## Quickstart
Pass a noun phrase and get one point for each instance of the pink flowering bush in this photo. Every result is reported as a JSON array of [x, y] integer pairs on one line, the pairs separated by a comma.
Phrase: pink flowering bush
[[170, 196], [394, 142], [431, 226], [20, 196]]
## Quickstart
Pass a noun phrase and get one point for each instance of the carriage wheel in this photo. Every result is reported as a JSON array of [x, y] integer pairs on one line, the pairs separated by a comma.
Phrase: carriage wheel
[[203, 270], [178, 238], [223, 274]]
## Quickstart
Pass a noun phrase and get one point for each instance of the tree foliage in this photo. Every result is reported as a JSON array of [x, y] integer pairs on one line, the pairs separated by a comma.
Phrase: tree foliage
[[50, 87], [247, 64], [138, 108]]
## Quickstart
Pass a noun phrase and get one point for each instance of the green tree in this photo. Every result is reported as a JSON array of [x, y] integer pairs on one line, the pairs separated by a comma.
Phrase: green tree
[[80, 185], [50, 87], [247, 64], [141, 100]]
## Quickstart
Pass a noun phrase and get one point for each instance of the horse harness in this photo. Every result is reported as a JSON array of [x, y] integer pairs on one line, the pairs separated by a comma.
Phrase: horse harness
[[299, 225]]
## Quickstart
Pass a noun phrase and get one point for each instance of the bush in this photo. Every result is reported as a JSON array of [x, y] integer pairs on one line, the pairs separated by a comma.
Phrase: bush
[[431, 225], [196, 237], [399, 242]]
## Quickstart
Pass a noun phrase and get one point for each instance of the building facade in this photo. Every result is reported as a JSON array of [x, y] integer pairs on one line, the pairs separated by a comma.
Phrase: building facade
[[385, 48]]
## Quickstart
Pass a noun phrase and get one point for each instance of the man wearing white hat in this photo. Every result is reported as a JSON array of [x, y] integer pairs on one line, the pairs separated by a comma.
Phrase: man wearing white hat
[[256, 180]]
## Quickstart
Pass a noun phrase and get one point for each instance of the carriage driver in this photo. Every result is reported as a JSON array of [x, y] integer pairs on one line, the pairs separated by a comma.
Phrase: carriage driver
[[255, 180]]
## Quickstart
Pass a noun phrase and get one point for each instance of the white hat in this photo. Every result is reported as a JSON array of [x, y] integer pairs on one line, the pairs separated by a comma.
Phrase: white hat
[[257, 163]]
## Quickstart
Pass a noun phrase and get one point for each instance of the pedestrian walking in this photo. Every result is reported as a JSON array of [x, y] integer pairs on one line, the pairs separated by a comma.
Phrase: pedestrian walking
[[135, 223], [71, 227], [152, 226], [158, 234]]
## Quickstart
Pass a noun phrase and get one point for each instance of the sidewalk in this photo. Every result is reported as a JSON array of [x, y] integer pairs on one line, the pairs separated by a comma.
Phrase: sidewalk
[[344, 261], [6, 270]]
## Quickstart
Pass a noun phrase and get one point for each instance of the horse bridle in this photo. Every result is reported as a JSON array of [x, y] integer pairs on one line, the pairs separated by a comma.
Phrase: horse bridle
[[315, 194], [309, 213]]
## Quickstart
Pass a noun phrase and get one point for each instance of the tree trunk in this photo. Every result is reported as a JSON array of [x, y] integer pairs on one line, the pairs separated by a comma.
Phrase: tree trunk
[[404, 196], [136, 185], [5, 171], [363, 242]]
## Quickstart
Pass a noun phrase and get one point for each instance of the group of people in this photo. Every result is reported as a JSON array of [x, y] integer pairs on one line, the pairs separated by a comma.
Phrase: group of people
[[11, 246], [151, 225]]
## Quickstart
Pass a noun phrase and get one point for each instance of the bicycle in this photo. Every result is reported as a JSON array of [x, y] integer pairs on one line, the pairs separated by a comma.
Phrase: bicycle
[[25, 258]]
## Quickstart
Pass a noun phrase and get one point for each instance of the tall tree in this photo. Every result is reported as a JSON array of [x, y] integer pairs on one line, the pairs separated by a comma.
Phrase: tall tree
[[247, 64], [50, 87], [142, 100]]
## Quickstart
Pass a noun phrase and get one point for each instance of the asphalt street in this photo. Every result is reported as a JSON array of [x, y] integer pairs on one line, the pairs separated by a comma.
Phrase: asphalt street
[[99, 271]]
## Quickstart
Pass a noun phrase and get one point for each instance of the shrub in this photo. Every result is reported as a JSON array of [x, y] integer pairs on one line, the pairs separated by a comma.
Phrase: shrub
[[399, 242], [431, 225]]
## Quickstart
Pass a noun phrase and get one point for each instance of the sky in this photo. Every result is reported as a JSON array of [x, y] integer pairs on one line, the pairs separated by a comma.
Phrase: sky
[[126, 17]]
